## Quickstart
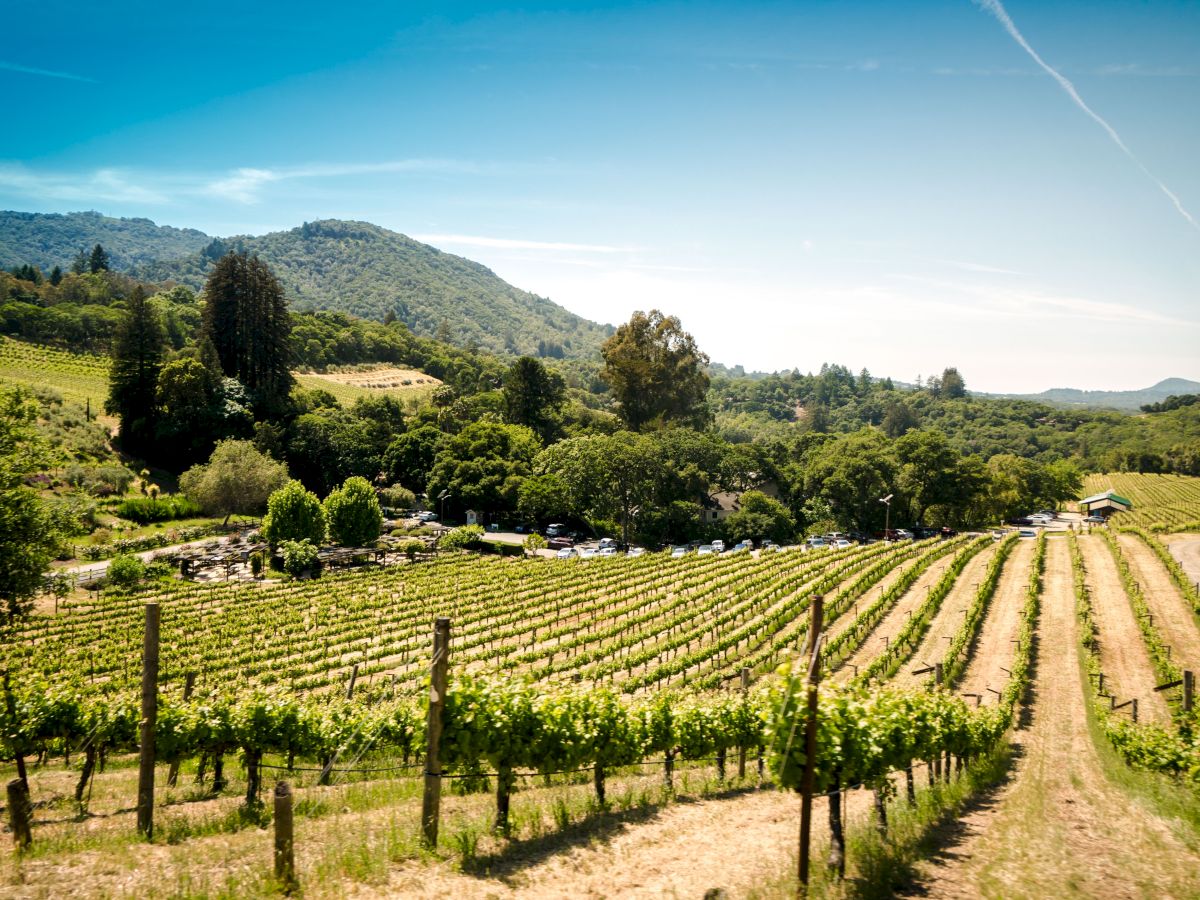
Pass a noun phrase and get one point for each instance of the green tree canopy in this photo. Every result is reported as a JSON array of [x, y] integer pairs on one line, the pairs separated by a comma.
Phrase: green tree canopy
[[533, 395], [294, 514], [760, 517], [353, 514], [409, 457], [29, 537], [137, 359], [656, 372], [238, 479], [483, 466], [246, 319]]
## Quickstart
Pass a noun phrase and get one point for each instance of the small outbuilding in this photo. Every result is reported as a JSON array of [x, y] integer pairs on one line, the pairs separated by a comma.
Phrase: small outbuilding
[[1104, 504]]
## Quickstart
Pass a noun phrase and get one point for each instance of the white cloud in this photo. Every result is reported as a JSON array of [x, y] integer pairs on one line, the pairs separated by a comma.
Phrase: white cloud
[[108, 185], [996, 8], [45, 73], [470, 240], [243, 185]]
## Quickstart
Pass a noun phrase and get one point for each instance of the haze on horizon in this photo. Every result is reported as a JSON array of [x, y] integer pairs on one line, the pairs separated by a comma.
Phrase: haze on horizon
[[1009, 189]]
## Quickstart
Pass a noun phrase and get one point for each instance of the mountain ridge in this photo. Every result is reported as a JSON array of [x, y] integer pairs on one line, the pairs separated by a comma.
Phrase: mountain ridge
[[331, 264]]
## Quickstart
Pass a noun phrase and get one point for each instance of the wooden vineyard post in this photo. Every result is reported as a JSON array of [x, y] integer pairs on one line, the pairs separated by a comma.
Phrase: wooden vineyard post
[[285, 855], [809, 774], [353, 679], [431, 800], [145, 803], [742, 749], [1189, 690], [18, 814], [189, 682]]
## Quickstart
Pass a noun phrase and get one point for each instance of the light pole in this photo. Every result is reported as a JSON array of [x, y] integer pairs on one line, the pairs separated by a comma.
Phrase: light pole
[[887, 517], [442, 497]]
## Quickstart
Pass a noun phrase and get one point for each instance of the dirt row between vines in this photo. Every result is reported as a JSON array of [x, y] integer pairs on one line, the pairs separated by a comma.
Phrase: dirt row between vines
[[993, 650], [1128, 671], [947, 622], [1172, 615], [1058, 827], [876, 643], [1186, 549]]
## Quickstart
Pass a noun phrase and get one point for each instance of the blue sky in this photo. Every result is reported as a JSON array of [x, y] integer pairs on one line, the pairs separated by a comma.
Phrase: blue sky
[[900, 187]]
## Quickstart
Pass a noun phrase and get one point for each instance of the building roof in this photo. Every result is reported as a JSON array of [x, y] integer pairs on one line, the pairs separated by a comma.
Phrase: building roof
[[1108, 495]]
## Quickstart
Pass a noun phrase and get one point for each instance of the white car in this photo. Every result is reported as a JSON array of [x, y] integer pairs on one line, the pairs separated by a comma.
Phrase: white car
[[566, 553], [816, 542], [678, 552], [636, 551], [587, 553], [718, 546], [608, 542], [841, 544], [607, 551], [705, 550]]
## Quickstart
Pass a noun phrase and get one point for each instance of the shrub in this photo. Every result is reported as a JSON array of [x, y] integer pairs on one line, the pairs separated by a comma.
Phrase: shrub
[[412, 548], [397, 497], [126, 571], [353, 513], [294, 514], [463, 538], [145, 510], [299, 557]]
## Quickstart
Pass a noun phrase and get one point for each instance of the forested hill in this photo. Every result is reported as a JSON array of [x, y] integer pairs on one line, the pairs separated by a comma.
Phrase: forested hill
[[351, 267], [47, 240], [369, 271], [1130, 400]]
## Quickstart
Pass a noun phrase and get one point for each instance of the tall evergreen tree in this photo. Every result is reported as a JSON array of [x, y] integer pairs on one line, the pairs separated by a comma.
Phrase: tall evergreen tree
[[137, 359], [246, 320], [56, 275], [79, 265], [98, 261]]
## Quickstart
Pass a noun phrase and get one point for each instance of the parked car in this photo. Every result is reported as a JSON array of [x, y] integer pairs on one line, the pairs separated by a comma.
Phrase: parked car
[[816, 542], [608, 542], [677, 552], [607, 551], [1020, 520], [705, 550], [559, 543], [719, 546], [744, 545], [841, 544], [426, 515], [587, 553], [769, 546], [1096, 520], [903, 534], [556, 529], [636, 551], [566, 553], [1027, 532]]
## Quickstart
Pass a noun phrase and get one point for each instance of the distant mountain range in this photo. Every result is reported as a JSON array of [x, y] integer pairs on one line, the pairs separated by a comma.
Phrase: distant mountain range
[[353, 267], [1127, 400]]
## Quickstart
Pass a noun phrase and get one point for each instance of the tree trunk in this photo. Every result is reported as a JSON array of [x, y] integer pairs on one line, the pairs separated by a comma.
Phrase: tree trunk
[[89, 766]]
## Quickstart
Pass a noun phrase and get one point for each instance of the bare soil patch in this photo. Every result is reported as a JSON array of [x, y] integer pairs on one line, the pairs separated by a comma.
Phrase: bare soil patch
[[1128, 671], [384, 378], [877, 641], [1186, 549], [993, 651], [1172, 614], [947, 622], [1060, 828]]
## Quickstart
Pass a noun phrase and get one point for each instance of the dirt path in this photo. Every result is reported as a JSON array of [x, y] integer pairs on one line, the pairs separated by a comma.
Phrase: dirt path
[[948, 620], [1128, 671], [844, 621], [1172, 614], [729, 843], [1059, 828], [875, 644], [1186, 549], [994, 649]]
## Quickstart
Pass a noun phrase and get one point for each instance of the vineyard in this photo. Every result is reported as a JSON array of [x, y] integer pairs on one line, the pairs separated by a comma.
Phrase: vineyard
[[1161, 503], [79, 377], [579, 696]]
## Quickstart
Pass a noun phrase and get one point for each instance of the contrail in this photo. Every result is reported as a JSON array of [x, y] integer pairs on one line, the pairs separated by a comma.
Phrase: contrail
[[997, 10]]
